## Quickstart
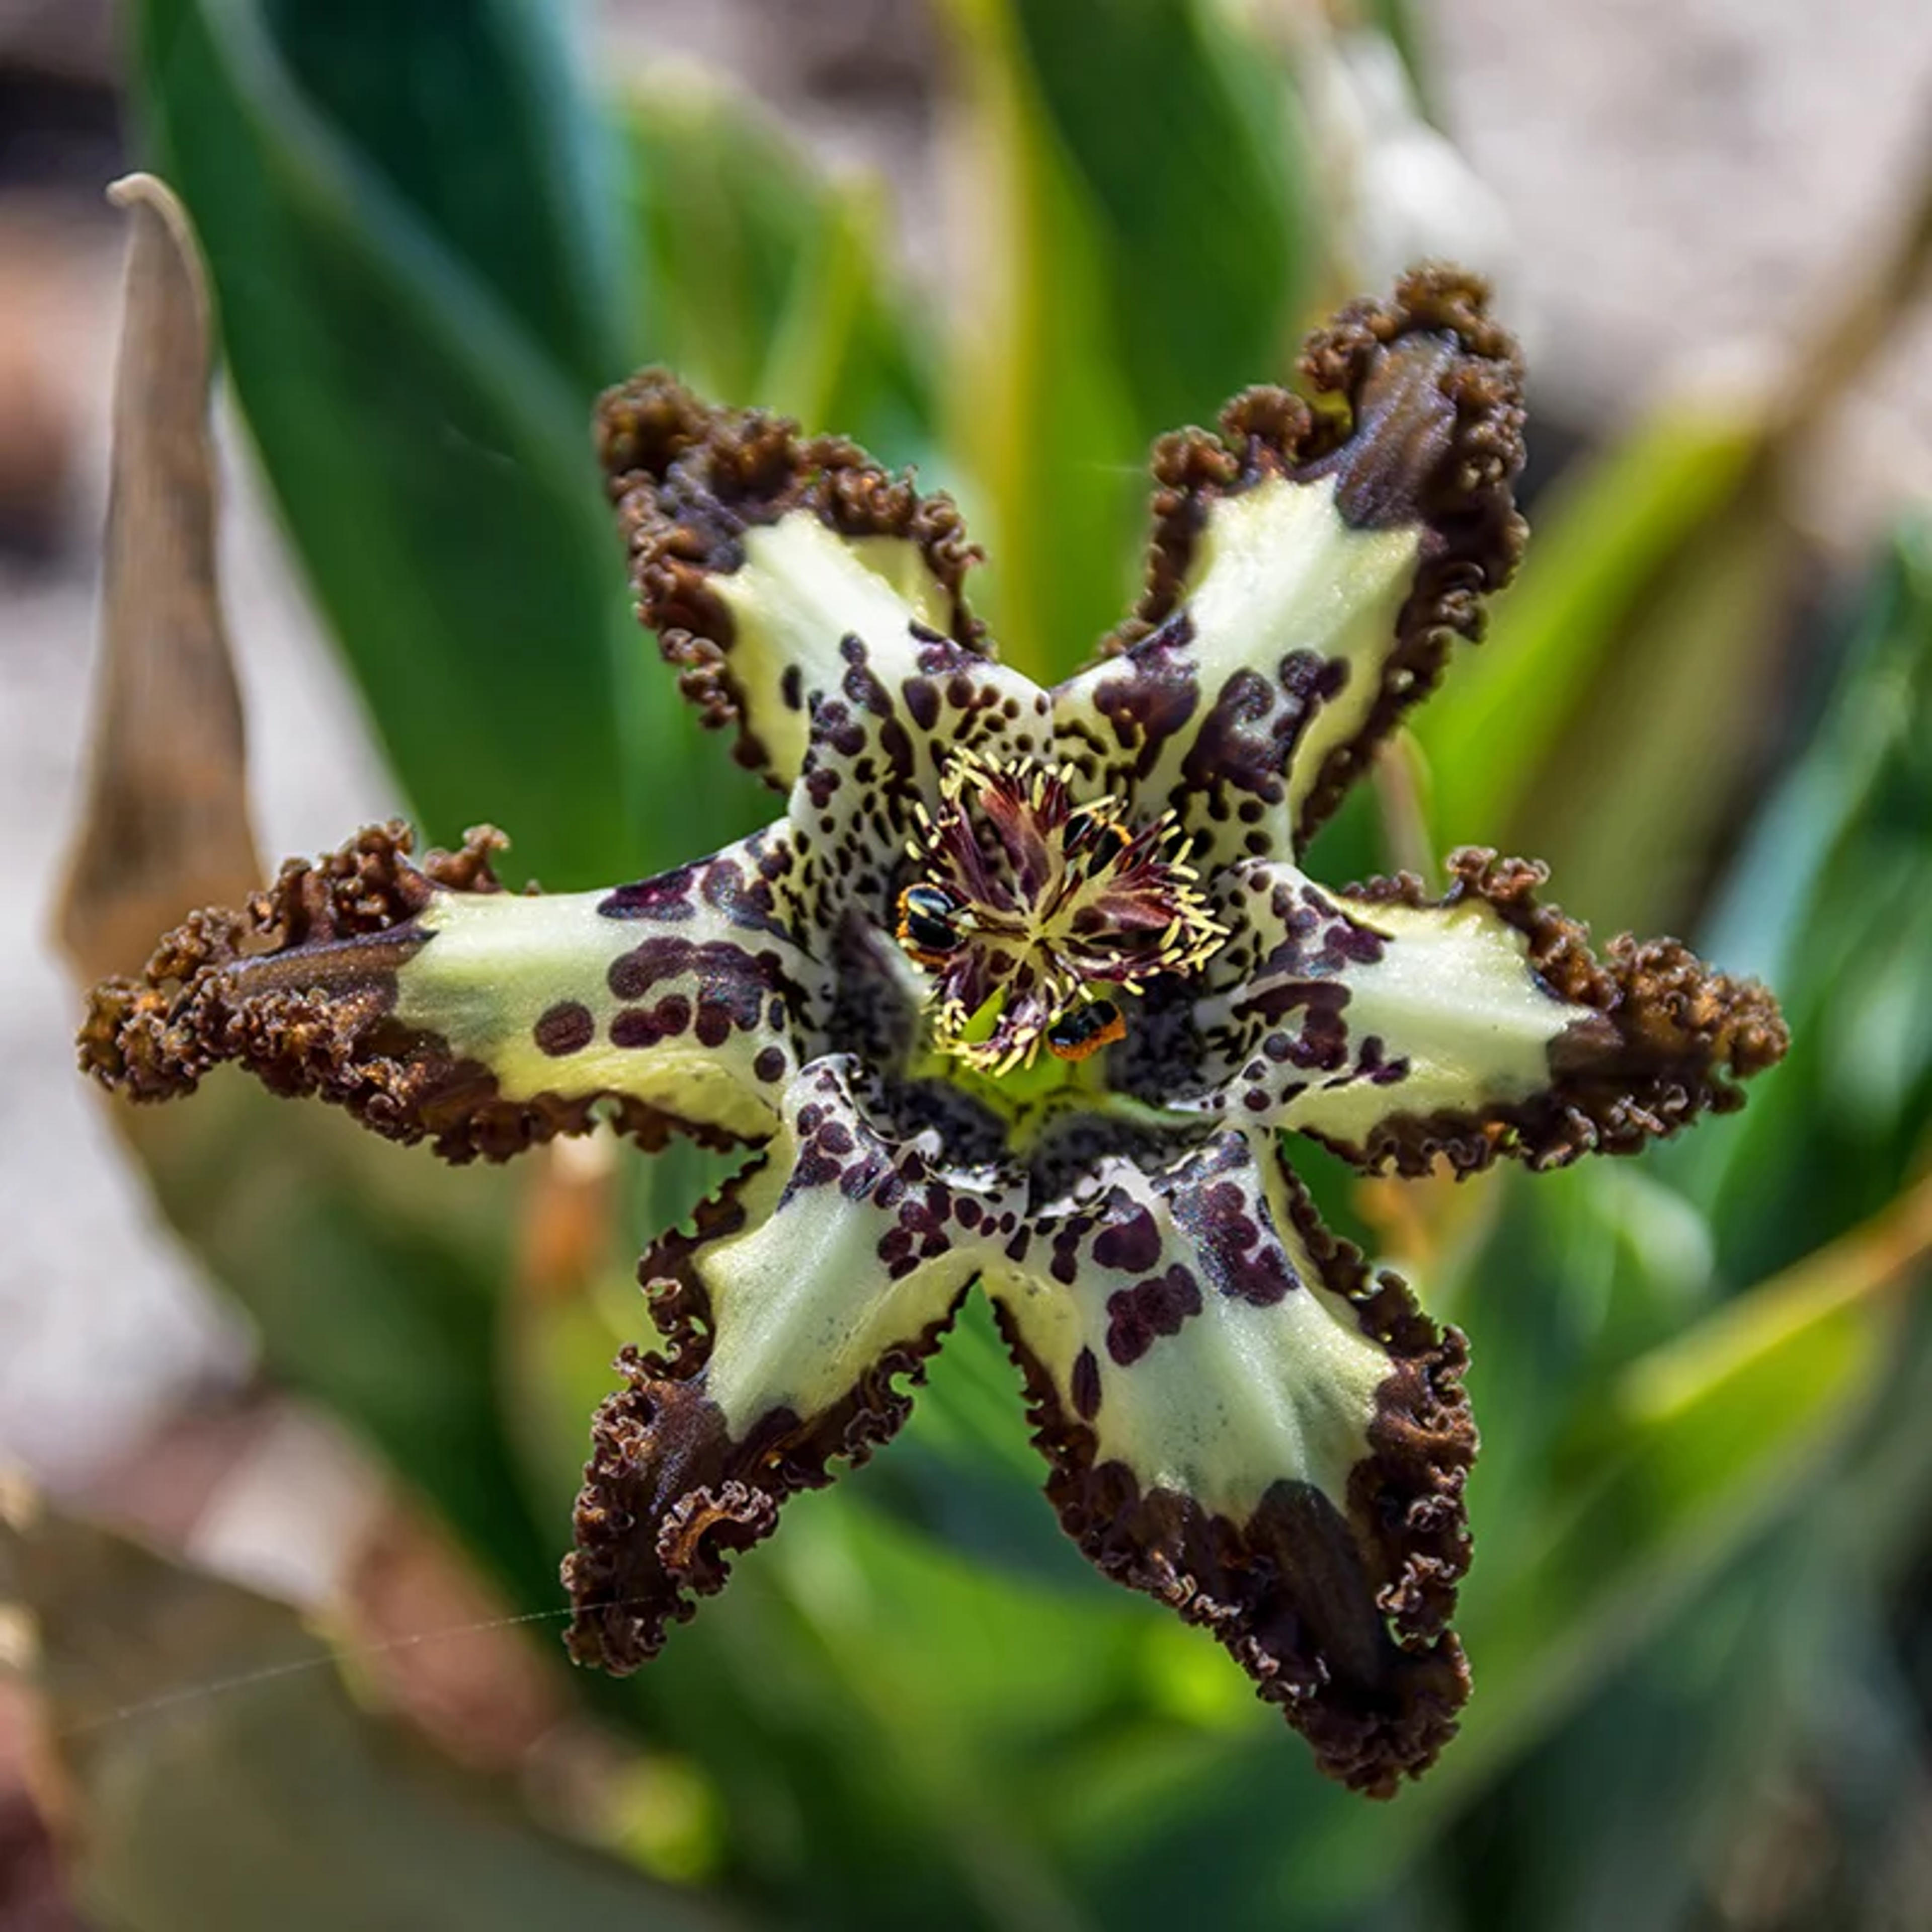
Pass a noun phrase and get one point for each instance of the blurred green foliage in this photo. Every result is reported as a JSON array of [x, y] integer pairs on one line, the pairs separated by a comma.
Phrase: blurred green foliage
[[1704, 1483]]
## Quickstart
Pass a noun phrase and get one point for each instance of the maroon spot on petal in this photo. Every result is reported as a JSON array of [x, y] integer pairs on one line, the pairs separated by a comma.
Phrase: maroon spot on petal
[[1346, 941], [841, 730], [922, 698], [1323, 1042], [896, 743], [1130, 1243], [770, 1064], [872, 1170], [1309, 678], [1065, 1265], [1137, 1317], [635, 1026], [1245, 741], [665, 897], [812, 1169], [567, 1028], [1086, 1385], [1156, 694], [645, 1026], [1238, 1250]]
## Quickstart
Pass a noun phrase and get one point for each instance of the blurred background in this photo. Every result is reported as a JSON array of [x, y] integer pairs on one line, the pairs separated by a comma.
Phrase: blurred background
[[293, 1421]]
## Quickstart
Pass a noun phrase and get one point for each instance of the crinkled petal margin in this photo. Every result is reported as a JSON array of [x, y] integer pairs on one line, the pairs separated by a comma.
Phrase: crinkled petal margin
[[433, 1005], [1309, 569], [1659, 1039], [757, 553], [1330, 1574], [807, 1289], [1397, 1026]]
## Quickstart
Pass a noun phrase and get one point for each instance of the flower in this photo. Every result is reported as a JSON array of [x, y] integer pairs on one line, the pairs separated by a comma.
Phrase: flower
[[1024, 988]]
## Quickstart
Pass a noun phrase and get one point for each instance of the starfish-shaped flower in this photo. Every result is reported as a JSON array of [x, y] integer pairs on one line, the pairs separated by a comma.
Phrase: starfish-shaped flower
[[1024, 988]]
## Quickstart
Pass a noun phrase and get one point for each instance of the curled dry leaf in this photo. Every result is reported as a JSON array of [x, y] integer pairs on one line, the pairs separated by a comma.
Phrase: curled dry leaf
[[165, 819]]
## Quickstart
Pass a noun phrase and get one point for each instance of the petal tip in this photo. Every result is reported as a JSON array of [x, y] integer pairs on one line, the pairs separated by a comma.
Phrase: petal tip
[[1663, 1037], [1341, 1619], [688, 480], [675, 1486], [153, 1037], [300, 987], [1414, 416]]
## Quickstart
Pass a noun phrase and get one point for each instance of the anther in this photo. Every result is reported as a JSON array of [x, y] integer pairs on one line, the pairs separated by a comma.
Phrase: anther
[[927, 928]]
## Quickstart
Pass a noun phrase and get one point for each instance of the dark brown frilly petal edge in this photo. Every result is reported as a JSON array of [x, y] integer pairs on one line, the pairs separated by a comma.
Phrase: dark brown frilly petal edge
[[1418, 416], [298, 988], [1342, 1622], [668, 1496], [1670, 1038], [689, 479]]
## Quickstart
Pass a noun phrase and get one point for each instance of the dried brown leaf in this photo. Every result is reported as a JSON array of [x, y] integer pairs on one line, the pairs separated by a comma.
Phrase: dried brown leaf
[[164, 823]]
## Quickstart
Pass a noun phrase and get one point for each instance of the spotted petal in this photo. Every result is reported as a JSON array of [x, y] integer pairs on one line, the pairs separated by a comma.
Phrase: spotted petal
[[1309, 570], [435, 1006], [779, 569], [1020, 988], [875, 766], [1397, 1027], [1244, 1424], [829, 1269]]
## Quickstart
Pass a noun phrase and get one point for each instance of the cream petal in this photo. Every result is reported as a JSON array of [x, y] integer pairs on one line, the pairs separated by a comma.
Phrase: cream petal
[[824, 1274], [763, 559], [1395, 1027], [435, 1006], [1309, 574], [1241, 1422]]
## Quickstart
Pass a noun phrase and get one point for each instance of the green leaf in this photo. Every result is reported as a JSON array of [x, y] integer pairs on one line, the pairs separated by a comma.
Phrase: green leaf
[[1202, 228], [770, 286], [428, 448], [371, 1275], [1602, 543], [1637, 798], [1831, 903], [1134, 272], [1694, 1449], [481, 124], [1037, 408]]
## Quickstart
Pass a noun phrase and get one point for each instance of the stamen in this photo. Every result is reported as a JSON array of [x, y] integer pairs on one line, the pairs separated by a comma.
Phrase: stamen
[[1027, 901], [926, 929]]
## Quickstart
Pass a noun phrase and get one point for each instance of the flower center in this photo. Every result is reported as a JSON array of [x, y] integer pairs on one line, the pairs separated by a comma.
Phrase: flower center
[[1032, 912]]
